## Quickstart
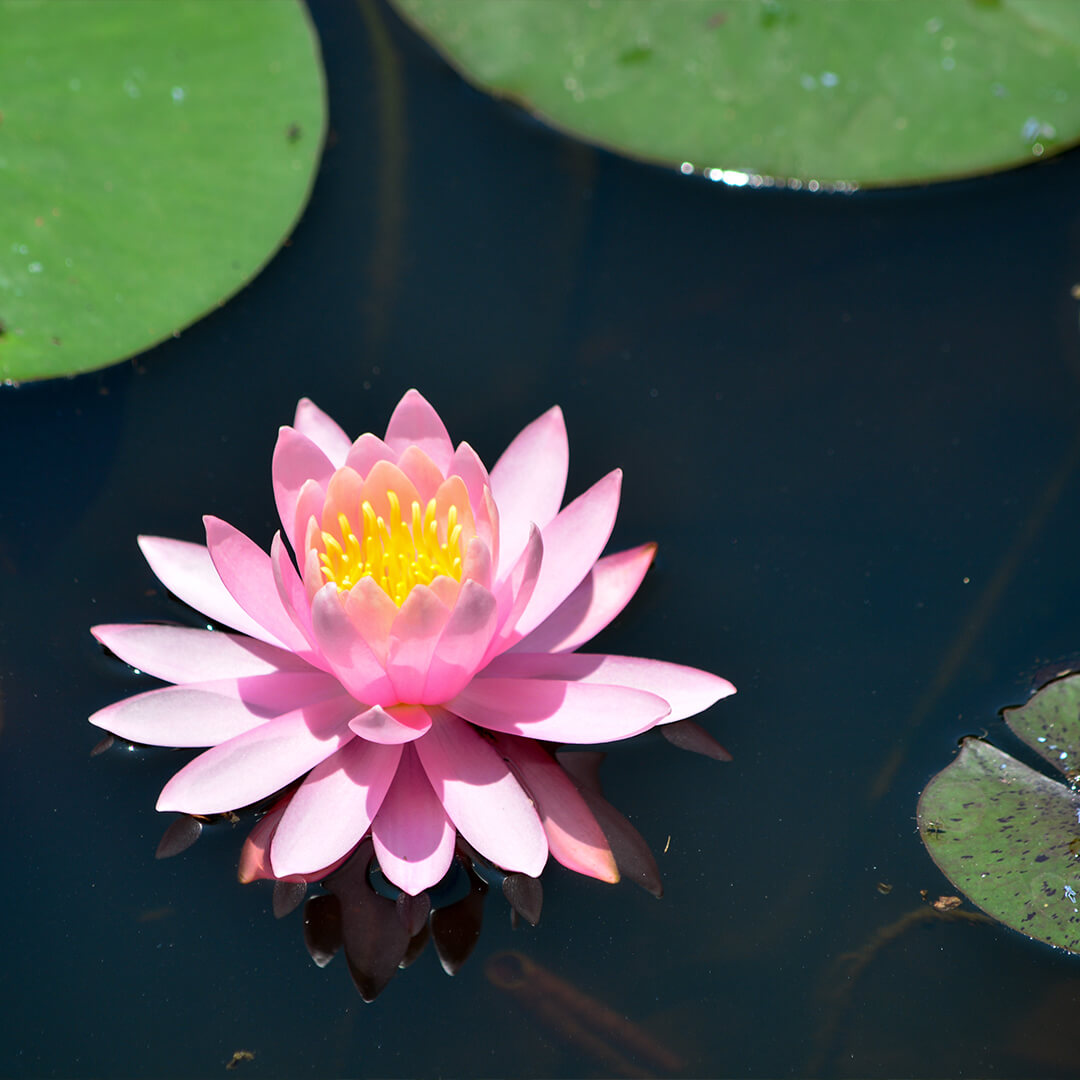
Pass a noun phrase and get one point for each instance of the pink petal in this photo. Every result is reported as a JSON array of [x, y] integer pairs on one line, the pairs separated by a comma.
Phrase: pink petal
[[187, 571], [208, 713], [422, 471], [466, 463], [412, 642], [446, 589], [333, 807], [372, 612], [553, 711], [463, 643], [415, 423], [413, 837], [470, 468], [452, 492], [386, 476], [687, 690], [255, 764], [593, 604], [255, 854], [572, 544], [345, 649], [246, 571], [293, 596], [476, 566], [574, 837], [486, 519], [180, 654], [324, 432], [481, 796], [344, 494], [632, 854], [393, 726], [513, 594], [296, 460], [367, 450], [528, 483], [311, 568], [309, 505]]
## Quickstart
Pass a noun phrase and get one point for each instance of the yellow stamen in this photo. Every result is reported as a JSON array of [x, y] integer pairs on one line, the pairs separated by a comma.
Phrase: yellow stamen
[[396, 554]]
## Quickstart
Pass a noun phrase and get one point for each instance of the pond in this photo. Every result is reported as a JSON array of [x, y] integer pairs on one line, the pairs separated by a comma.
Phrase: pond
[[852, 424]]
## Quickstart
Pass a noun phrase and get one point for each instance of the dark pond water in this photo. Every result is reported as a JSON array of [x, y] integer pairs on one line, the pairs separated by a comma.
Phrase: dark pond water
[[852, 424]]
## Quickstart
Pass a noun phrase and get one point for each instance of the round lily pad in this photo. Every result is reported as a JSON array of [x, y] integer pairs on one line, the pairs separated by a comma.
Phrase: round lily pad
[[1007, 835], [153, 156], [837, 93]]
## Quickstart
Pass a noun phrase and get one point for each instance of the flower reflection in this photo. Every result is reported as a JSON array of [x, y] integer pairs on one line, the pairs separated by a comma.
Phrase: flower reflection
[[401, 682], [356, 912]]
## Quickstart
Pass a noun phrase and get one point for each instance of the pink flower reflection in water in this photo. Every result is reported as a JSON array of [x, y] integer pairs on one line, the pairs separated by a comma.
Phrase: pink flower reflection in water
[[405, 677]]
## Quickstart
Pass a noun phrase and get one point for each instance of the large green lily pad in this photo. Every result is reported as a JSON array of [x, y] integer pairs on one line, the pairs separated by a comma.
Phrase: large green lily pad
[[153, 156], [1009, 836], [849, 91]]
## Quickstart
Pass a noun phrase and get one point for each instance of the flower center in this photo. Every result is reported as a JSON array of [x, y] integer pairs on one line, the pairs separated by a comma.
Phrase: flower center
[[397, 554]]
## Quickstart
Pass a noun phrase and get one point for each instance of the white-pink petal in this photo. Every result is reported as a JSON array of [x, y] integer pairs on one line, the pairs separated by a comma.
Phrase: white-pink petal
[[413, 837], [572, 544], [528, 482], [187, 571], [183, 654], [333, 807], [178, 716], [559, 711], [687, 690], [257, 763], [326, 433], [481, 796], [605, 591], [208, 713], [415, 423]]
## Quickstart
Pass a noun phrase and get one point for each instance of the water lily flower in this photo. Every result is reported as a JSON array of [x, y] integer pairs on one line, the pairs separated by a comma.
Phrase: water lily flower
[[404, 677]]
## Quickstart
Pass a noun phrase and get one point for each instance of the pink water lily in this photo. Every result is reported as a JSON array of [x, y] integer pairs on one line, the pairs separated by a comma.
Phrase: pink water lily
[[402, 677]]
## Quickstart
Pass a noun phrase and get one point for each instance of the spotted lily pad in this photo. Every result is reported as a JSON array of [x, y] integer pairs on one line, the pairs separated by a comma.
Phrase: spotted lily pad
[[153, 156], [1006, 834], [888, 92]]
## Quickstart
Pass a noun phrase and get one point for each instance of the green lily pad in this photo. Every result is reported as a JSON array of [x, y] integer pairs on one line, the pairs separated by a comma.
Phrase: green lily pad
[[153, 156], [844, 92], [1009, 836]]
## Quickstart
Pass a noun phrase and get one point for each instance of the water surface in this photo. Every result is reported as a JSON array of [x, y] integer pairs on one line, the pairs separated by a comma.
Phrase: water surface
[[851, 422]]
